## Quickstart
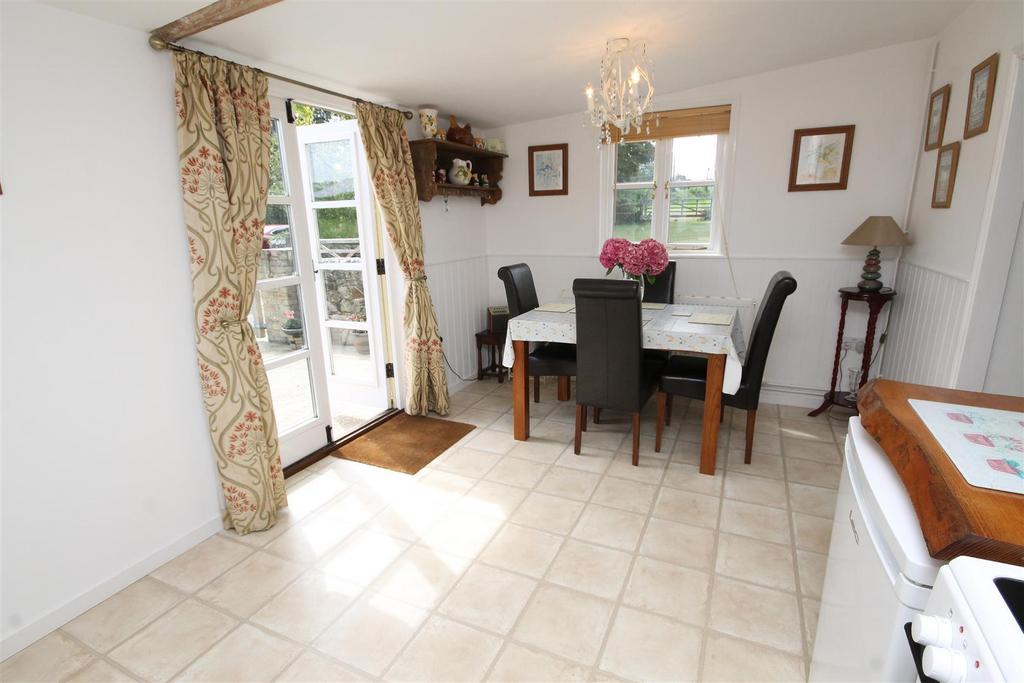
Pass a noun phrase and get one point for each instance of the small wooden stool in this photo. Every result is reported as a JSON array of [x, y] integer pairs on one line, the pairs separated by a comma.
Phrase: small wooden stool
[[493, 342]]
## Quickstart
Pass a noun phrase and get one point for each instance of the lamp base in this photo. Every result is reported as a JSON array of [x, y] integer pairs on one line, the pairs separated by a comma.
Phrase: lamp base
[[869, 285], [871, 277]]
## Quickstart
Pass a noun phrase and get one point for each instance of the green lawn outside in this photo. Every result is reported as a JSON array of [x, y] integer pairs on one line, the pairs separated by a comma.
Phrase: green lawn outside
[[678, 231]]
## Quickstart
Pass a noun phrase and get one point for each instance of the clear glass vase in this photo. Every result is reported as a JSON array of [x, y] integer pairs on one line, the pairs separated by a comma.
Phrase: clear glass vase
[[636, 278]]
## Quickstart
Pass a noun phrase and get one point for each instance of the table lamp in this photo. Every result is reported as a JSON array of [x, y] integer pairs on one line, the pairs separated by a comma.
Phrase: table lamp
[[876, 231]]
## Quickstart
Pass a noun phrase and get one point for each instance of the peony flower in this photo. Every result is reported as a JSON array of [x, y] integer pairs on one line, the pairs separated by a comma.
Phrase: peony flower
[[633, 260], [612, 252], [655, 256]]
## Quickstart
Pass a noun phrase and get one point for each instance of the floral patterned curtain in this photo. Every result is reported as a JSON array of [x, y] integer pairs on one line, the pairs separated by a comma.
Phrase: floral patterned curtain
[[387, 150], [224, 149]]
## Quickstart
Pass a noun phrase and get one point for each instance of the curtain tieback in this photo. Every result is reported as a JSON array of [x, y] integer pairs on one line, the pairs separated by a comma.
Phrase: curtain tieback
[[418, 278], [225, 323]]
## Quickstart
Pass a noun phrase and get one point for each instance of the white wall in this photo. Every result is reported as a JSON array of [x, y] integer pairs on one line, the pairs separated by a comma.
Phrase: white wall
[[767, 227], [944, 297], [106, 465], [1005, 371]]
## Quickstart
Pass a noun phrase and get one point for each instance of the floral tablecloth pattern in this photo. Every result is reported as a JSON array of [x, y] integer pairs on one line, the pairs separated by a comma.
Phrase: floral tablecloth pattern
[[662, 329]]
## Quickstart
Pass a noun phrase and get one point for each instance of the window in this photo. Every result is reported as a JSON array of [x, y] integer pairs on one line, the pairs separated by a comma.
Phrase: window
[[666, 189]]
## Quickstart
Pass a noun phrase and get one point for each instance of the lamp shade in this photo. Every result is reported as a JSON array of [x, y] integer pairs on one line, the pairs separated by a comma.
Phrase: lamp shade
[[878, 231]]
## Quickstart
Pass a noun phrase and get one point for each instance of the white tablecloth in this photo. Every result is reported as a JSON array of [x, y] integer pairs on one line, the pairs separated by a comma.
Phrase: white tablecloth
[[661, 330]]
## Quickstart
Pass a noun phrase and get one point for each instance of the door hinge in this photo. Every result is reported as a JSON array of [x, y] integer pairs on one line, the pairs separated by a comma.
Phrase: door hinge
[[389, 370], [289, 115], [380, 266]]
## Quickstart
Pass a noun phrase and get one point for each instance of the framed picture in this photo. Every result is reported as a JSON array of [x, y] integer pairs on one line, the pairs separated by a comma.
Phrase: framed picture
[[549, 170], [945, 175], [938, 106], [979, 97], [821, 158]]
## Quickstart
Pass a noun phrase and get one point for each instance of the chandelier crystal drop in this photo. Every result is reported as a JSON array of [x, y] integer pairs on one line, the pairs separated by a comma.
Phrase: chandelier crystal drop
[[626, 89]]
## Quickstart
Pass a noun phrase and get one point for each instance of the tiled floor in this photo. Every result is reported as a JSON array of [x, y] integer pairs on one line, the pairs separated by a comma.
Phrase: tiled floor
[[501, 561]]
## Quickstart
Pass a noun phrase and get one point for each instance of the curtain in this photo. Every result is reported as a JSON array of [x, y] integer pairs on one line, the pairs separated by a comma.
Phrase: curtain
[[390, 161], [224, 149]]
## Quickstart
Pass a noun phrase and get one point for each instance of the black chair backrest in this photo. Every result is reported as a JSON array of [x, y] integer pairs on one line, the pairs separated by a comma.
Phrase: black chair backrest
[[609, 345], [781, 286], [663, 291], [519, 289]]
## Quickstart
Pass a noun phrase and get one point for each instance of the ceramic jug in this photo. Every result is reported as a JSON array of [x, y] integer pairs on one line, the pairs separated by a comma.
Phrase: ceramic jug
[[460, 171]]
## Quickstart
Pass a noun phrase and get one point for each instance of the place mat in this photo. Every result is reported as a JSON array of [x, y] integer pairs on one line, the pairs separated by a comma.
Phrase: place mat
[[653, 306], [405, 443], [556, 307], [711, 319]]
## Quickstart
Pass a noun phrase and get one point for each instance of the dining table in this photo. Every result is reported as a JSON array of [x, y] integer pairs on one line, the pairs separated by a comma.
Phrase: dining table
[[678, 328]]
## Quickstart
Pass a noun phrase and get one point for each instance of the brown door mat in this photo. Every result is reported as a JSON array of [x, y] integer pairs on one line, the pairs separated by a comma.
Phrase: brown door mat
[[405, 443]]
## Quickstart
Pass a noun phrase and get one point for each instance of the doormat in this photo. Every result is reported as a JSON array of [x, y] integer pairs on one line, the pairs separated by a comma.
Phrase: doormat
[[405, 443]]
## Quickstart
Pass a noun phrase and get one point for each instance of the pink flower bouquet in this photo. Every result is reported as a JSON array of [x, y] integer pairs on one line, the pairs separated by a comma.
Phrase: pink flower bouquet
[[647, 258]]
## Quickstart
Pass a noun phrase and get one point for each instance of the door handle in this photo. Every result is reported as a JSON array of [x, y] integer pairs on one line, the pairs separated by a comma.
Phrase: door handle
[[853, 525]]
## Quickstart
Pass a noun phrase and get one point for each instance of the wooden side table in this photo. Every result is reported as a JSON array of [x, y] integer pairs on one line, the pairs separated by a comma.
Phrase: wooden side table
[[876, 301], [494, 342]]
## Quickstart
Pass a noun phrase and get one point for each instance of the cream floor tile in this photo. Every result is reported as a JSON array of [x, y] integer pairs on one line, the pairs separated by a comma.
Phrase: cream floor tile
[[812, 500], [761, 464], [98, 672], [679, 543], [305, 608], [316, 535], [755, 521], [492, 441], [668, 589], [518, 472], [590, 568], [518, 664], [164, 647], [246, 587], [625, 495], [811, 609], [649, 470], [646, 647], [311, 493], [565, 622], [610, 527], [489, 598], [312, 668], [589, 458], [470, 461], [548, 512], [540, 449], [818, 451], [551, 431], [196, 567], [569, 483], [800, 429], [462, 534], [688, 452], [410, 518], [754, 613], [522, 549], [362, 557], [246, 654], [443, 485], [421, 577], [799, 414], [506, 423], [812, 572], [496, 403], [813, 473], [812, 533], [478, 418], [121, 615], [755, 561], [729, 660], [371, 633], [687, 507], [689, 478], [768, 444], [51, 658], [491, 499], [760, 490], [445, 651]]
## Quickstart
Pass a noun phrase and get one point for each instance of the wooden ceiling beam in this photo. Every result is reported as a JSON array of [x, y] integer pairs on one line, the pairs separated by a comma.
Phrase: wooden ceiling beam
[[212, 15]]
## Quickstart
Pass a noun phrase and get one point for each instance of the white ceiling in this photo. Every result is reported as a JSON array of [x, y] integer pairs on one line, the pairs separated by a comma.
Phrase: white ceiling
[[496, 63]]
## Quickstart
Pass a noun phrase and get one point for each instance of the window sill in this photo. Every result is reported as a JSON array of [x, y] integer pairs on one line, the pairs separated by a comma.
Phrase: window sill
[[694, 253]]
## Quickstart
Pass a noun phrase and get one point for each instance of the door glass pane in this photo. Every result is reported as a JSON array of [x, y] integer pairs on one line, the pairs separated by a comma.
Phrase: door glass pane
[[331, 171], [634, 162], [339, 234], [693, 158], [276, 318], [292, 393], [277, 259], [633, 212], [344, 295], [350, 355], [278, 177], [689, 214]]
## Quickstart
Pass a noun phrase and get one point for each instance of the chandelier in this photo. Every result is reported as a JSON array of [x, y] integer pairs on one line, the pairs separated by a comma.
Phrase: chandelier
[[626, 89]]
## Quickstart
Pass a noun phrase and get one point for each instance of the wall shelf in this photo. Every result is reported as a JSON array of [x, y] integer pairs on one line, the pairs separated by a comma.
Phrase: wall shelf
[[430, 154]]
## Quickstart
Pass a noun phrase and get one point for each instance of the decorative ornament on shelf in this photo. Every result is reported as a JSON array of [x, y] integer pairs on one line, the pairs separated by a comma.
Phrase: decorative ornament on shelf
[[460, 172], [460, 134], [642, 261], [626, 89], [428, 120], [876, 231]]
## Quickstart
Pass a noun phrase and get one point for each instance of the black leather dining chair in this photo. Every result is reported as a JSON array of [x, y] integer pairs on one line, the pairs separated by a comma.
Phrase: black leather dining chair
[[547, 360], [687, 375], [663, 290], [612, 370]]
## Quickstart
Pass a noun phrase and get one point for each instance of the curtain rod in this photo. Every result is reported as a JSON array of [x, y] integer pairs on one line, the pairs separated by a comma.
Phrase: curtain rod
[[160, 44]]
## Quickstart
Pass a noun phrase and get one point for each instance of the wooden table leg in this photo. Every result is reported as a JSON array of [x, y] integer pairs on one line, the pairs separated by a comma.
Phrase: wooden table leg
[[563, 388], [712, 411], [521, 390]]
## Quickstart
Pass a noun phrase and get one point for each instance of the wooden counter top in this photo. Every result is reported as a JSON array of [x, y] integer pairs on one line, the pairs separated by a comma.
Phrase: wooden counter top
[[956, 518]]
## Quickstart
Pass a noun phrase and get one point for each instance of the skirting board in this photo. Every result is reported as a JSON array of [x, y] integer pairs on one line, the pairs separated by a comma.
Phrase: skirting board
[[32, 632]]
